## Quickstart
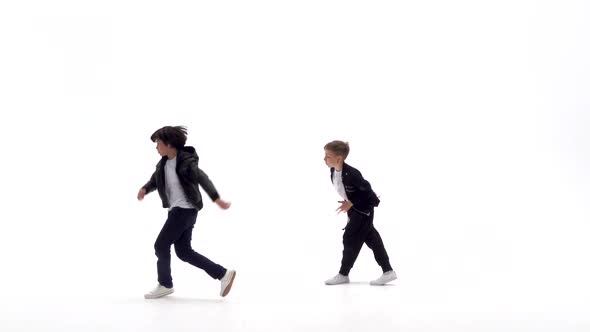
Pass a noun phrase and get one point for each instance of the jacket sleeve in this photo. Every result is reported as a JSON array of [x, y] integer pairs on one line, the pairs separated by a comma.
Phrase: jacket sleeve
[[206, 184], [364, 187], [151, 184], [360, 183]]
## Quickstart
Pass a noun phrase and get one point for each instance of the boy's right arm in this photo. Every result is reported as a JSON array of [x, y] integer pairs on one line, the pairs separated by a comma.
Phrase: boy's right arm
[[148, 187], [151, 184]]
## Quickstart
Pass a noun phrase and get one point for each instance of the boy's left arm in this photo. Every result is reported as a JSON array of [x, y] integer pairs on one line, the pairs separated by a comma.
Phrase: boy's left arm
[[206, 184], [364, 186], [209, 188], [359, 182]]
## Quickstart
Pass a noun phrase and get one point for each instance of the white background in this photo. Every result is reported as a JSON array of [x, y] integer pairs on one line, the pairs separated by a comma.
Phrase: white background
[[469, 118]]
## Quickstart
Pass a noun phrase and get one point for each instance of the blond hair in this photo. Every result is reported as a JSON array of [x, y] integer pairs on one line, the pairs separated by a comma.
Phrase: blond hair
[[339, 148]]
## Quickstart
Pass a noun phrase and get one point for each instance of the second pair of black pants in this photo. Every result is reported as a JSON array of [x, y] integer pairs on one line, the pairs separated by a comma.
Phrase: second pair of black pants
[[358, 231], [178, 230]]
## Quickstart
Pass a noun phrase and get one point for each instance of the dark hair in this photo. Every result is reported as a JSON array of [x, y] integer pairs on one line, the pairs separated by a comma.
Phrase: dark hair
[[339, 148], [171, 135]]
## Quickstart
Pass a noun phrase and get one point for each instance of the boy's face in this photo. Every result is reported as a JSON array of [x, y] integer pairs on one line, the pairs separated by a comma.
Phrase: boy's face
[[332, 160], [163, 149]]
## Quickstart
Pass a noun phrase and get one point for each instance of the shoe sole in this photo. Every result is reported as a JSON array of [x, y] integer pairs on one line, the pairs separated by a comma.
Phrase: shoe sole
[[342, 283], [151, 297], [382, 284], [338, 283], [228, 287]]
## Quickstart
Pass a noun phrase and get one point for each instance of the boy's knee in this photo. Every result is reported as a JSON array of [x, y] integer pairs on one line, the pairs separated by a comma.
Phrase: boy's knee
[[182, 253], [161, 247]]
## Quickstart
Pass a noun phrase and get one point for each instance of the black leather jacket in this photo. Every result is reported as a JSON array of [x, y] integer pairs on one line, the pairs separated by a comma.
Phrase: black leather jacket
[[358, 190], [189, 175]]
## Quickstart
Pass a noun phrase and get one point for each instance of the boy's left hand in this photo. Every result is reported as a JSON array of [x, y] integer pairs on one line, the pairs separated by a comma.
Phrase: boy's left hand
[[344, 206], [222, 204]]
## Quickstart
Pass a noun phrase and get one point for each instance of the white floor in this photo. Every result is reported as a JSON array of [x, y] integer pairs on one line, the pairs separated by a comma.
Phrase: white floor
[[500, 270], [304, 306]]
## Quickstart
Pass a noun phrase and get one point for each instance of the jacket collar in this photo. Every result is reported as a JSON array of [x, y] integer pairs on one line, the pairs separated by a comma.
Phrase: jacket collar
[[345, 169]]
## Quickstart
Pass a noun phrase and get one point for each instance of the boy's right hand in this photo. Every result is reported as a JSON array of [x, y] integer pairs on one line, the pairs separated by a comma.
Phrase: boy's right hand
[[141, 194], [344, 206]]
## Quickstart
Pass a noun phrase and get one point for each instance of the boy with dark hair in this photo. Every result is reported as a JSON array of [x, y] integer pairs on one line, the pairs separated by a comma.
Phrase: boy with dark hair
[[177, 179], [358, 201]]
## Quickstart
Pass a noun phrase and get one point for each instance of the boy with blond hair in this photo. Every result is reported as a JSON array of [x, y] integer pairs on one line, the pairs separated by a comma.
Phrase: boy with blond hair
[[358, 201]]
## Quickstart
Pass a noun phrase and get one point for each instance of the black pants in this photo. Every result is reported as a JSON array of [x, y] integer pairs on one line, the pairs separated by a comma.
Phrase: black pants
[[178, 230], [358, 231]]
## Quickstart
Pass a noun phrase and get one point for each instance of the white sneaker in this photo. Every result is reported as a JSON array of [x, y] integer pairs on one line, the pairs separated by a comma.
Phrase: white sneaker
[[227, 281], [385, 278], [337, 280], [159, 291]]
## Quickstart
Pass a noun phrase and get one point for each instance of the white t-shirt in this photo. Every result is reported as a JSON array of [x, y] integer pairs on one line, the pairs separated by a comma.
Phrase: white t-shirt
[[338, 185], [174, 191]]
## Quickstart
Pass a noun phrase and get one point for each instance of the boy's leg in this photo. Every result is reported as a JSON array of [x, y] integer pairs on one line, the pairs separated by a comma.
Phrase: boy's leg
[[170, 233], [185, 252], [375, 242], [353, 239]]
